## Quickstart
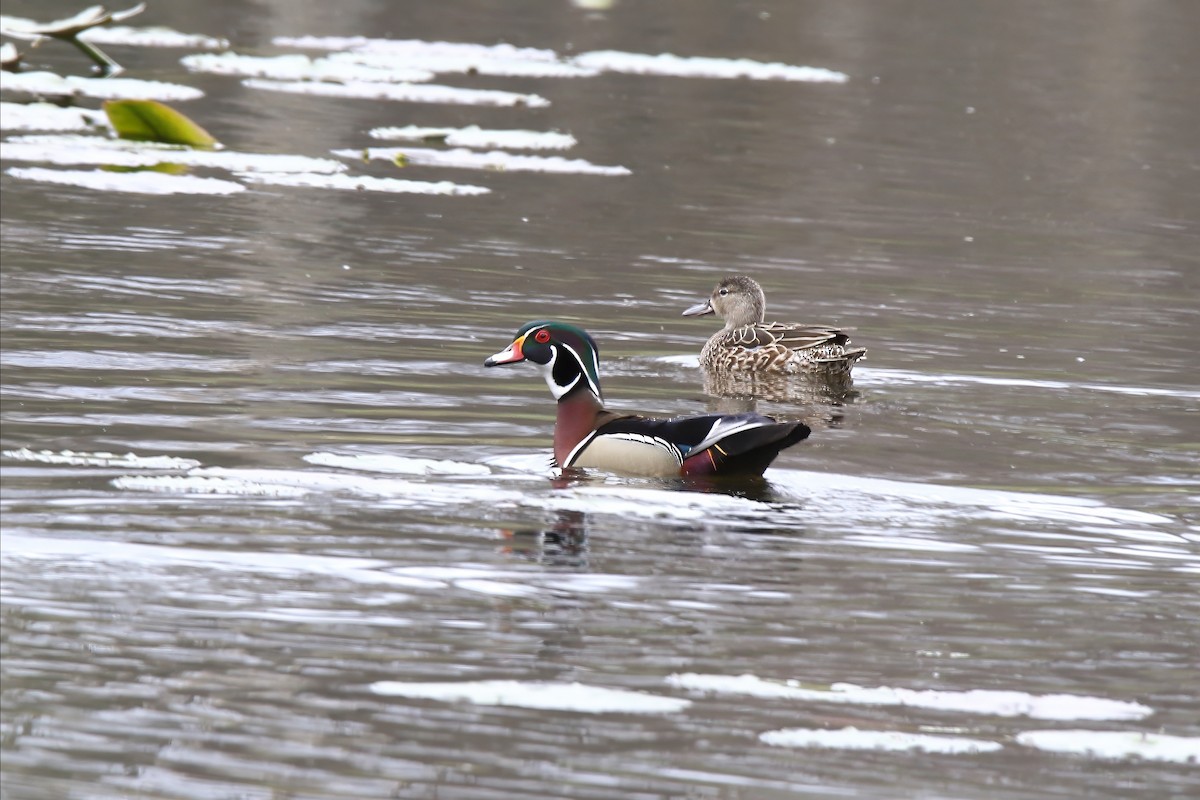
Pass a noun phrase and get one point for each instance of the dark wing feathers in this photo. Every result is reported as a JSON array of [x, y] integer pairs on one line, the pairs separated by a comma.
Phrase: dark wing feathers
[[684, 432], [775, 436], [734, 434]]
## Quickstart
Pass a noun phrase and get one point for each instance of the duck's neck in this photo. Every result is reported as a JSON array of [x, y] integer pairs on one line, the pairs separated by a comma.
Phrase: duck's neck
[[746, 315], [577, 414]]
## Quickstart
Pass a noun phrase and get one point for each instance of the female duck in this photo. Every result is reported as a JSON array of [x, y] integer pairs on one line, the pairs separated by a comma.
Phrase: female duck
[[747, 343], [586, 434]]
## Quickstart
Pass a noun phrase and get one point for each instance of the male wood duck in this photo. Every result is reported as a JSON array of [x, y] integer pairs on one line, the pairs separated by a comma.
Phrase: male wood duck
[[586, 435], [750, 344]]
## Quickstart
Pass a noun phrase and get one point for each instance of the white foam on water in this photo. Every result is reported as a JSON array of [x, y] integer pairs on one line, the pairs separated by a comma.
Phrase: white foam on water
[[49, 84], [539, 695], [978, 701], [443, 57], [590, 582], [100, 459], [403, 92], [898, 542], [402, 465], [453, 573], [874, 375], [49, 117], [1003, 504], [701, 67], [497, 160], [893, 741], [314, 616], [190, 485], [785, 788], [650, 503], [389, 492], [524, 464], [507, 582], [359, 570], [679, 361], [1152, 551], [297, 67], [119, 360], [130, 182], [475, 137], [151, 36], [498, 588], [267, 480], [843, 496], [499, 482], [1136, 534], [868, 376], [416, 47], [363, 183], [454, 62], [72, 149], [1115, 745], [66, 153], [1111, 592], [477, 579]]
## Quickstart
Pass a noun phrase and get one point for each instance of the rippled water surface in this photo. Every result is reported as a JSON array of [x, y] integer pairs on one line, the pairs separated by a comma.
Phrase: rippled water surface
[[270, 530]]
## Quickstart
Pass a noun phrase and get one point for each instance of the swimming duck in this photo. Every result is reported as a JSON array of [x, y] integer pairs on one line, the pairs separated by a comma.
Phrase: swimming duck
[[748, 343], [587, 435]]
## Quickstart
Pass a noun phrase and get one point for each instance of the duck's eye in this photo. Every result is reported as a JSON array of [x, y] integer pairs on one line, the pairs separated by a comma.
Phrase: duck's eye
[[542, 336], [723, 292]]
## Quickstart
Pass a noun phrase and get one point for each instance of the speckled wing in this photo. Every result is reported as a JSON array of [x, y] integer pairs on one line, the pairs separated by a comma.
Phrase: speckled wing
[[749, 337], [751, 347], [826, 347]]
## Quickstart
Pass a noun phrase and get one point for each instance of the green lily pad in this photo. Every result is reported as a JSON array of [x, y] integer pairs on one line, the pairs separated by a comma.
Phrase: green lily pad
[[165, 168], [152, 121]]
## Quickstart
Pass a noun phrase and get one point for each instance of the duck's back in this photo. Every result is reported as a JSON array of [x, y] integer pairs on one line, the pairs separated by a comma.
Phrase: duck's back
[[778, 347]]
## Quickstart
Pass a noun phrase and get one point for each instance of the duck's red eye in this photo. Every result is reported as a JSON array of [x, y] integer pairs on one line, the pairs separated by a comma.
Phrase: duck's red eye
[[542, 336]]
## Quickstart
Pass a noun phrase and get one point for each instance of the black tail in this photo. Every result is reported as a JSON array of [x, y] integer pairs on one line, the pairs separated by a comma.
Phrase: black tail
[[748, 452]]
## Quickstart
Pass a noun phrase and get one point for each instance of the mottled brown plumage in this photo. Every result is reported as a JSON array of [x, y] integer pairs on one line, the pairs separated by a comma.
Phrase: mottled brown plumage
[[747, 343]]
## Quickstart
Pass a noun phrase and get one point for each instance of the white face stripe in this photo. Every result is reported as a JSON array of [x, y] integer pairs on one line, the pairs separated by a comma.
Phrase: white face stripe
[[548, 373], [583, 368]]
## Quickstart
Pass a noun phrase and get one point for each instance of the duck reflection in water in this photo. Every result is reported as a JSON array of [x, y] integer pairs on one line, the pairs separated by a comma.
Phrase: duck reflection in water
[[738, 391], [563, 544]]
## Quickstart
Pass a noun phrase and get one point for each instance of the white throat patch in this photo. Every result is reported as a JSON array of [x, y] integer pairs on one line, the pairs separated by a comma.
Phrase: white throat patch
[[548, 373], [558, 391]]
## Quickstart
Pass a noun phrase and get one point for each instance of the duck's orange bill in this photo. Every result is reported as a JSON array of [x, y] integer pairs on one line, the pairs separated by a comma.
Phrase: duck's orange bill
[[509, 355]]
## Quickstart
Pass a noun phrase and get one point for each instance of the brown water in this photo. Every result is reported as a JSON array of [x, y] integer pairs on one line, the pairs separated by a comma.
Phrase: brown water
[[1002, 201]]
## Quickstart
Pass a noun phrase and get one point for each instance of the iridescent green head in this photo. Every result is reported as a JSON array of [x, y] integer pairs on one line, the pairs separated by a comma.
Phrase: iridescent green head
[[567, 355]]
